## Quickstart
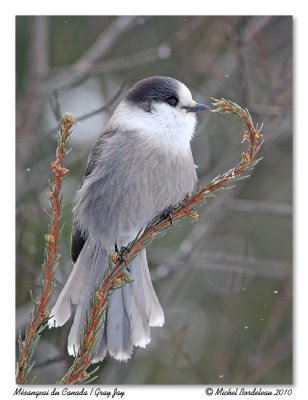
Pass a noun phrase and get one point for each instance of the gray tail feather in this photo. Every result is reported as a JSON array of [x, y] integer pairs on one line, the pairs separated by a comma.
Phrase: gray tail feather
[[96, 268], [74, 287], [131, 311]]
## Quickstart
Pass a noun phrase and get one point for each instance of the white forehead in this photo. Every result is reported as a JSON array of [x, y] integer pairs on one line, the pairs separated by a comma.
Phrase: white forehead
[[185, 96]]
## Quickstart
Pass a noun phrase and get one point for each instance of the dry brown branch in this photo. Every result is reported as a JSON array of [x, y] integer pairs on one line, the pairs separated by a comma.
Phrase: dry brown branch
[[40, 314]]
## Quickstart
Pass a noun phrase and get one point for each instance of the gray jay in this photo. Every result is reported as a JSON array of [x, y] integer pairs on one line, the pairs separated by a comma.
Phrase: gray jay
[[140, 166]]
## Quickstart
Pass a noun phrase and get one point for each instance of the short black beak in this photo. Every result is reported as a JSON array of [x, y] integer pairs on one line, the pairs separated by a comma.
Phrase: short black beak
[[197, 107]]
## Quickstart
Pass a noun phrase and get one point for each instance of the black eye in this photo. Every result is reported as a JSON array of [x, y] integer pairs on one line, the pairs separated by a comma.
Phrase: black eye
[[172, 101]]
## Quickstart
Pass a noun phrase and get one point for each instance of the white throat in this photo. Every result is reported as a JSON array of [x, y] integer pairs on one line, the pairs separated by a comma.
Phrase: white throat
[[167, 128]]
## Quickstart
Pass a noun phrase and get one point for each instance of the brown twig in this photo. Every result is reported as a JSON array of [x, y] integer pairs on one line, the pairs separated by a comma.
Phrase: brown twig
[[40, 313]]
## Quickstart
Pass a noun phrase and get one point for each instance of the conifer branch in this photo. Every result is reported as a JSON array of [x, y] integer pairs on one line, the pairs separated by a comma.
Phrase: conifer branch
[[117, 275], [40, 314]]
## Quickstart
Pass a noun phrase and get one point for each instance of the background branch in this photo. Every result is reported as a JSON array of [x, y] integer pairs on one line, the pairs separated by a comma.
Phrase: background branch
[[81, 68], [263, 207], [97, 111]]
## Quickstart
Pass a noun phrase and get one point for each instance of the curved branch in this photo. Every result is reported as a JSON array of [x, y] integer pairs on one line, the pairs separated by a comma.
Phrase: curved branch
[[116, 277]]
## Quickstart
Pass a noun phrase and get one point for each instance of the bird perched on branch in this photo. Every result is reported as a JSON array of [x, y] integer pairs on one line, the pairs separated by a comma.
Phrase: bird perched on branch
[[139, 167]]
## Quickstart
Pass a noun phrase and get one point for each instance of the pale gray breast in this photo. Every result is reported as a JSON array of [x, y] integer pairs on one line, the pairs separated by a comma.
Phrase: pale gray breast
[[131, 183]]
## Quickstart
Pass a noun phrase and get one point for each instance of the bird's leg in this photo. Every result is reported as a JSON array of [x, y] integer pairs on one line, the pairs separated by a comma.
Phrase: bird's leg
[[167, 214], [121, 254]]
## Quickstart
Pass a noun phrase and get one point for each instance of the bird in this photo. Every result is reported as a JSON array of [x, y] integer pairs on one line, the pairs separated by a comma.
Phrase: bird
[[140, 166]]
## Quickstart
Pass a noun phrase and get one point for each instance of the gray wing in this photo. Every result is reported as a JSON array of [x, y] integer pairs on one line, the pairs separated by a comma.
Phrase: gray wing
[[78, 239], [77, 242]]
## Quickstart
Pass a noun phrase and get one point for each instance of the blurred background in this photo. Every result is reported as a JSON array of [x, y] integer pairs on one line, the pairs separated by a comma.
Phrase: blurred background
[[225, 282]]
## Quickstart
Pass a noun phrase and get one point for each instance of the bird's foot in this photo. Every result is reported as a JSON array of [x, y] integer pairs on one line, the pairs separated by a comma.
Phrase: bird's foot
[[167, 214], [121, 255]]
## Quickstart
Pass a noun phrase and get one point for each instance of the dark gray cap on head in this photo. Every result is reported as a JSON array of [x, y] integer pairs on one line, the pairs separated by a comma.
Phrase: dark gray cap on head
[[159, 89], [155, 88]]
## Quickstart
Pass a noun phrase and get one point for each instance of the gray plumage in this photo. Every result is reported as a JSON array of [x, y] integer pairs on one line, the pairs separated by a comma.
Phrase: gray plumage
[[140, 166]]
